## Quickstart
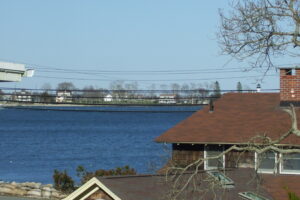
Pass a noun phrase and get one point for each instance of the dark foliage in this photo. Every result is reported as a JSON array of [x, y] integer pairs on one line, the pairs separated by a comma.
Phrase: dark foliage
[[118, 171], [63, 182]]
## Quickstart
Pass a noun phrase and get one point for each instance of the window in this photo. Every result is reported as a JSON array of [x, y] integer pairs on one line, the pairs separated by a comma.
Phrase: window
[[212, 151], [252, 196], [266, 162], [290, 163]]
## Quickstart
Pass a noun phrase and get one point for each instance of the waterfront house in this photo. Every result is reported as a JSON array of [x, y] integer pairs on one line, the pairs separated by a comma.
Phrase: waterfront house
[[22, 96], [167, 98], [63, 96], [108, 98], [236, 119]]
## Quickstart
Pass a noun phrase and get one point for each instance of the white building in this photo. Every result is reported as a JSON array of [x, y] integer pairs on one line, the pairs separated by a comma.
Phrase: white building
[[23, 96], [167, 99], [64, 96], [108, 98]]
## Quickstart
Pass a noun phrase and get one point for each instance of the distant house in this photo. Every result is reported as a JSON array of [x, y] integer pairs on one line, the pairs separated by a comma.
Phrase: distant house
[[167, 99], [23, 96], [63, 96], [108, 98]]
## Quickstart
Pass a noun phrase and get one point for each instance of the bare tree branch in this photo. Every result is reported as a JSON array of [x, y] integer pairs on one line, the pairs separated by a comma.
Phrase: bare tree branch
[[259, 30]]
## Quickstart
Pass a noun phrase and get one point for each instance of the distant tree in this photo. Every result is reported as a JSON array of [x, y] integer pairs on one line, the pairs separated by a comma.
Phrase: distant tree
[[203, 93], [152, 89], [239, 87], [117, 88], [185, 86], [65, 86], [1, 94], [217, 90], [91, 94], [45, 97], [63, 182], [117, 85], [175, 88], [163, 86], [131, 89], [46, 87]]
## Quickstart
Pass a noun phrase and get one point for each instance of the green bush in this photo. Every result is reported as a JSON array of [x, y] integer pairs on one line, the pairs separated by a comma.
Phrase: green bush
[[63, 182]]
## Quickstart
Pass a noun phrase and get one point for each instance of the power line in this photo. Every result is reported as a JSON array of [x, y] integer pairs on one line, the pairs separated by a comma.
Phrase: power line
[[149, 73], [145, 80], [39, 66]]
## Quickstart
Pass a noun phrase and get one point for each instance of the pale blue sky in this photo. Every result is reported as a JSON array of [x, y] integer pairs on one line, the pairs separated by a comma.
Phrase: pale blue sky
[[118, 35]]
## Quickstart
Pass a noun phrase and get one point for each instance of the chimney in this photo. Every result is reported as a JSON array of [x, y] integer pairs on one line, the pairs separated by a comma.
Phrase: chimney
[[211, 106], [290, 86]]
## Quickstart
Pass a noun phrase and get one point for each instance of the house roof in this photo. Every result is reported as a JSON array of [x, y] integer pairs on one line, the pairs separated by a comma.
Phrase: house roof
[[237, 117], [155, 187], [278, 185]]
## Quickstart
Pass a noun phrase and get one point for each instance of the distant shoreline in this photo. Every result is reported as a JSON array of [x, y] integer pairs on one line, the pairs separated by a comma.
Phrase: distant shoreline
[[85, 105], [47, 105]]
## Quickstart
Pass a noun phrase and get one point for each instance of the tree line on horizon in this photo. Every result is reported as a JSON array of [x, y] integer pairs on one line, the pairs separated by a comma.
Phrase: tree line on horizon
[[121, 91]]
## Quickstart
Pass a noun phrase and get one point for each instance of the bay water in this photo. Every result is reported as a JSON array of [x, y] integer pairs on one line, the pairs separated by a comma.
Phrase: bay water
[[36, 140]]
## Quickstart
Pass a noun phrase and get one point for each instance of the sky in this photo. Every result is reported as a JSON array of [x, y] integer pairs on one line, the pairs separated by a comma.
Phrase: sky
[[95, 42]]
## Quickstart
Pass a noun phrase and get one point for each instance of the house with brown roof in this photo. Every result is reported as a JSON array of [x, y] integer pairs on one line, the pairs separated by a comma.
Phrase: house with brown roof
[[236, 119], [157, 187]]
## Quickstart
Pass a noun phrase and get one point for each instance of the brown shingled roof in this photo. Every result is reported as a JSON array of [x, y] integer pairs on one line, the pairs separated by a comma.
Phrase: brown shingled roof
[[155, 187], [279, 185], [236, 118]]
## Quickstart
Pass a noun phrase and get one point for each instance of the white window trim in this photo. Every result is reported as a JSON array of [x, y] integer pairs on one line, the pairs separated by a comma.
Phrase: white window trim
[[265, 171], [282, 171], [206, 167]]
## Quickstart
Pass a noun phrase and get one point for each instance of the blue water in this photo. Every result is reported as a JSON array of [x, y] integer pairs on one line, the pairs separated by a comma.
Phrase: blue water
[[35, 142]]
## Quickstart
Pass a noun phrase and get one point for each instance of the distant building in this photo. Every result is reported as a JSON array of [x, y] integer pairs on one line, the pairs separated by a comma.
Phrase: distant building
[[167, 99], [23, 96], [108, 98], [63, 96]]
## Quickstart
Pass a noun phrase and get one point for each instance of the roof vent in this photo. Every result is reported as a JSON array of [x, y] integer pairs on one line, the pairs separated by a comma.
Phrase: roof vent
[[258, 88]]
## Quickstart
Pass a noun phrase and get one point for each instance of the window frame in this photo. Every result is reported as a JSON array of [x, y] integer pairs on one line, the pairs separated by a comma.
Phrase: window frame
[[265, 171], [245, 195], [206, 167], [282, 171]]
